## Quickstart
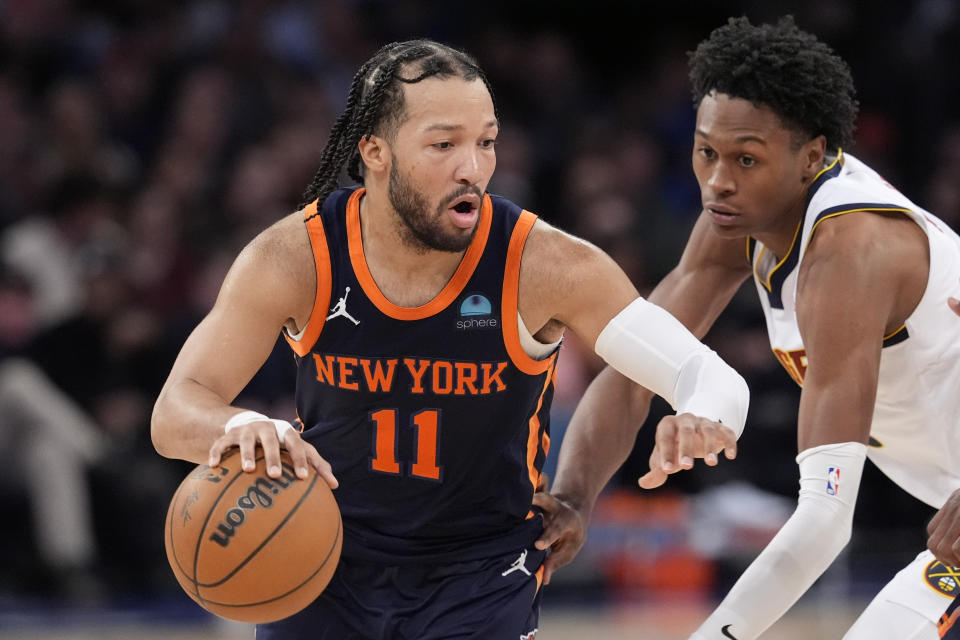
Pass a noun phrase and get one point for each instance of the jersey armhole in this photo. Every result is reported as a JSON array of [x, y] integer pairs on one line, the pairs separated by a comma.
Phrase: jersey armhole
[[304, 341], [511, 289]]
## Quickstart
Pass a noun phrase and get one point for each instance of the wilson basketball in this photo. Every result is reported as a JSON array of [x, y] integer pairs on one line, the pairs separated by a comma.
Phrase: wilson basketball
[[249, 547]]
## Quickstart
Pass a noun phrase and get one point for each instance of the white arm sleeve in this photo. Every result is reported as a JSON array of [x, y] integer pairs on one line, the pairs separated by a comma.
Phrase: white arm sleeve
[[652, 348], [803, 548]]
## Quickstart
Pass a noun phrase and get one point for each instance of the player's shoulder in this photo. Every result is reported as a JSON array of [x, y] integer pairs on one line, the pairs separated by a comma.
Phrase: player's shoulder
[[551, 249], [282, 252]]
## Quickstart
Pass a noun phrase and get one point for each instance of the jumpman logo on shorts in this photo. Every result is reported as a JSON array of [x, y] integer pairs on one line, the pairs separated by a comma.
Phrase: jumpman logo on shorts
[[341, 309], [518, 565]]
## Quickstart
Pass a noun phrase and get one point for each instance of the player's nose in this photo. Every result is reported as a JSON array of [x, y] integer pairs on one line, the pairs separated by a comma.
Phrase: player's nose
[[469, 169], [720, 179]]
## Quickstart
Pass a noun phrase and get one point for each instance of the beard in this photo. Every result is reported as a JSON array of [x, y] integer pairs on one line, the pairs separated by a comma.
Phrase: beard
[[422, 225]]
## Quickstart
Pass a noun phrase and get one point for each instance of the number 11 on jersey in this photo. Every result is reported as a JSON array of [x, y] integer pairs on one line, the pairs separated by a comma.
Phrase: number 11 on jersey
[[427, 425]]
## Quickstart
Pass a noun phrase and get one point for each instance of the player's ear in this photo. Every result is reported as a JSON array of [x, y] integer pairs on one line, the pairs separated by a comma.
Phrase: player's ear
[[374, 152], [813, 153]]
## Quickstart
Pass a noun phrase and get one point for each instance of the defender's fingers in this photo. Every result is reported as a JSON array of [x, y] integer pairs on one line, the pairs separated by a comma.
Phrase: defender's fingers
[[935, 521], [666, 443], [551, 531], [687, 440], [712, 442], [652, 479], [729, 439]]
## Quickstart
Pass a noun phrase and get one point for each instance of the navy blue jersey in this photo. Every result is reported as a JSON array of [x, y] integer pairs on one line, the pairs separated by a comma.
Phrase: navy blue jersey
[[434, 419]]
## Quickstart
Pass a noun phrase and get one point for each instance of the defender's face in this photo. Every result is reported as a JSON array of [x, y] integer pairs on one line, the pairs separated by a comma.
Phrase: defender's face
[[752, 178], [443, 158]]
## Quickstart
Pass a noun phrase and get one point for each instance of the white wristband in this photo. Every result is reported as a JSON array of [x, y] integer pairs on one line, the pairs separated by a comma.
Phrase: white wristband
[[246, 417]]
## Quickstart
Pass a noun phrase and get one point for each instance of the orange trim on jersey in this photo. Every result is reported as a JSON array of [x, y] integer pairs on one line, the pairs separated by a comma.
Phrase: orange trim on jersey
[[447, 295], [511, 288], [533, 438], [539, 576], [321, 301]]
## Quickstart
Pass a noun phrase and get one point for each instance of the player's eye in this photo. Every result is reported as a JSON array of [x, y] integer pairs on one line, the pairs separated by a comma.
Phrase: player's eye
[[488, 144], [707, 153], [442, 145], [747, 161]]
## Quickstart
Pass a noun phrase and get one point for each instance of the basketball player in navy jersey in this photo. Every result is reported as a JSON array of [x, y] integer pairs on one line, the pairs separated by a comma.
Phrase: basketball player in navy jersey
[[425, 315], [854, 281]]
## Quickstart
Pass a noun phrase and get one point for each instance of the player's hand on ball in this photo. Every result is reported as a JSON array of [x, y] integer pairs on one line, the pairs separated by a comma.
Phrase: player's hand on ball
[[944, 532], [564, 531], [263, 433], [683, 438]]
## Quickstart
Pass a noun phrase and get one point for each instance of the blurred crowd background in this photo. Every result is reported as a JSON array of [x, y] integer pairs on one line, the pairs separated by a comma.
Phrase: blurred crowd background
[[144, 143]]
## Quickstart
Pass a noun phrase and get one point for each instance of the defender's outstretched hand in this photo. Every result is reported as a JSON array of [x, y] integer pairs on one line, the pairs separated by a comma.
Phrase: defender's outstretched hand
[[564, 531], [682, 438]]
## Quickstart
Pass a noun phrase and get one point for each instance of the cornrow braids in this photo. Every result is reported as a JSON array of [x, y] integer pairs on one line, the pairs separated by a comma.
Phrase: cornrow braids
[[800, 78], [375, 105]]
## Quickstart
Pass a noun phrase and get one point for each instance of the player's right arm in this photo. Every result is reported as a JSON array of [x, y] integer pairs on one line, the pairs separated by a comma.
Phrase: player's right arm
[[271, 284], [604, 426]]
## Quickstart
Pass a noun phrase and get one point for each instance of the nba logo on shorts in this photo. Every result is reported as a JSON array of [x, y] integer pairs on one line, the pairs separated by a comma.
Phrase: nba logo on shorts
[[833, 481]]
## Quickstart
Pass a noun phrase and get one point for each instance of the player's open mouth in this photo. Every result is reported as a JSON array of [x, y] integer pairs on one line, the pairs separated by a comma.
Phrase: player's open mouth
[[464, 213]]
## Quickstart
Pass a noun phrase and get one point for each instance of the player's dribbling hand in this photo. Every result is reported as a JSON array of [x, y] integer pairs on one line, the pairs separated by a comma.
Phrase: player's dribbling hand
[[944, 532], [264, 434], [680, 440], [564, 531]]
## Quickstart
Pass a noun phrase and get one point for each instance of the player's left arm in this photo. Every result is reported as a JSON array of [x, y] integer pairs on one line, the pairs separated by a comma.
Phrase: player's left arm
[[853, 284]]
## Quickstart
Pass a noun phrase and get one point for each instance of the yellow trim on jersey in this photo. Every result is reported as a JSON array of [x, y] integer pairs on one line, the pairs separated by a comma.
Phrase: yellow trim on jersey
[[747, 247], [902, 327], [796, 234], [839, 159], [766, 283], [858, 210]]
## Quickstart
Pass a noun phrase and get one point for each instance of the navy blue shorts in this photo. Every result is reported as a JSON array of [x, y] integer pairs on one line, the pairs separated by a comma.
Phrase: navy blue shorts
[[949, 625], [479, 600]]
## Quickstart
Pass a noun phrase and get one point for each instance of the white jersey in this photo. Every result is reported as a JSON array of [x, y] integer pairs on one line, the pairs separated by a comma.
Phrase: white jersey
[[915, 433]]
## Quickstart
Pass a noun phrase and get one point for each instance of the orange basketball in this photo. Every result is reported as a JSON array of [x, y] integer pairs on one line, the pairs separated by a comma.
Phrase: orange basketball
[[249, 547]]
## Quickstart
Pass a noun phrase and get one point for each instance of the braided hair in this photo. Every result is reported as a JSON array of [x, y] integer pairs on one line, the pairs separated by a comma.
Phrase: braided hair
[[800, 78], [375, 104]]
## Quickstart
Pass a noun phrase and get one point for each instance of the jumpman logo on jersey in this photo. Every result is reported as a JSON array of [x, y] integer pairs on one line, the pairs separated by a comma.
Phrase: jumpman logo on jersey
[[518, 565], [341, 309]]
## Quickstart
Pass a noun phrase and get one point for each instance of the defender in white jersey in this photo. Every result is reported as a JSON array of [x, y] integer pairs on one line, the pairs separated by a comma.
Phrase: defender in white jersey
[[854, 279]]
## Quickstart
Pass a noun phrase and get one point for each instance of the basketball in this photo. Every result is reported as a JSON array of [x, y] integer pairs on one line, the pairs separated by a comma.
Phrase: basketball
[[249, 547]]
